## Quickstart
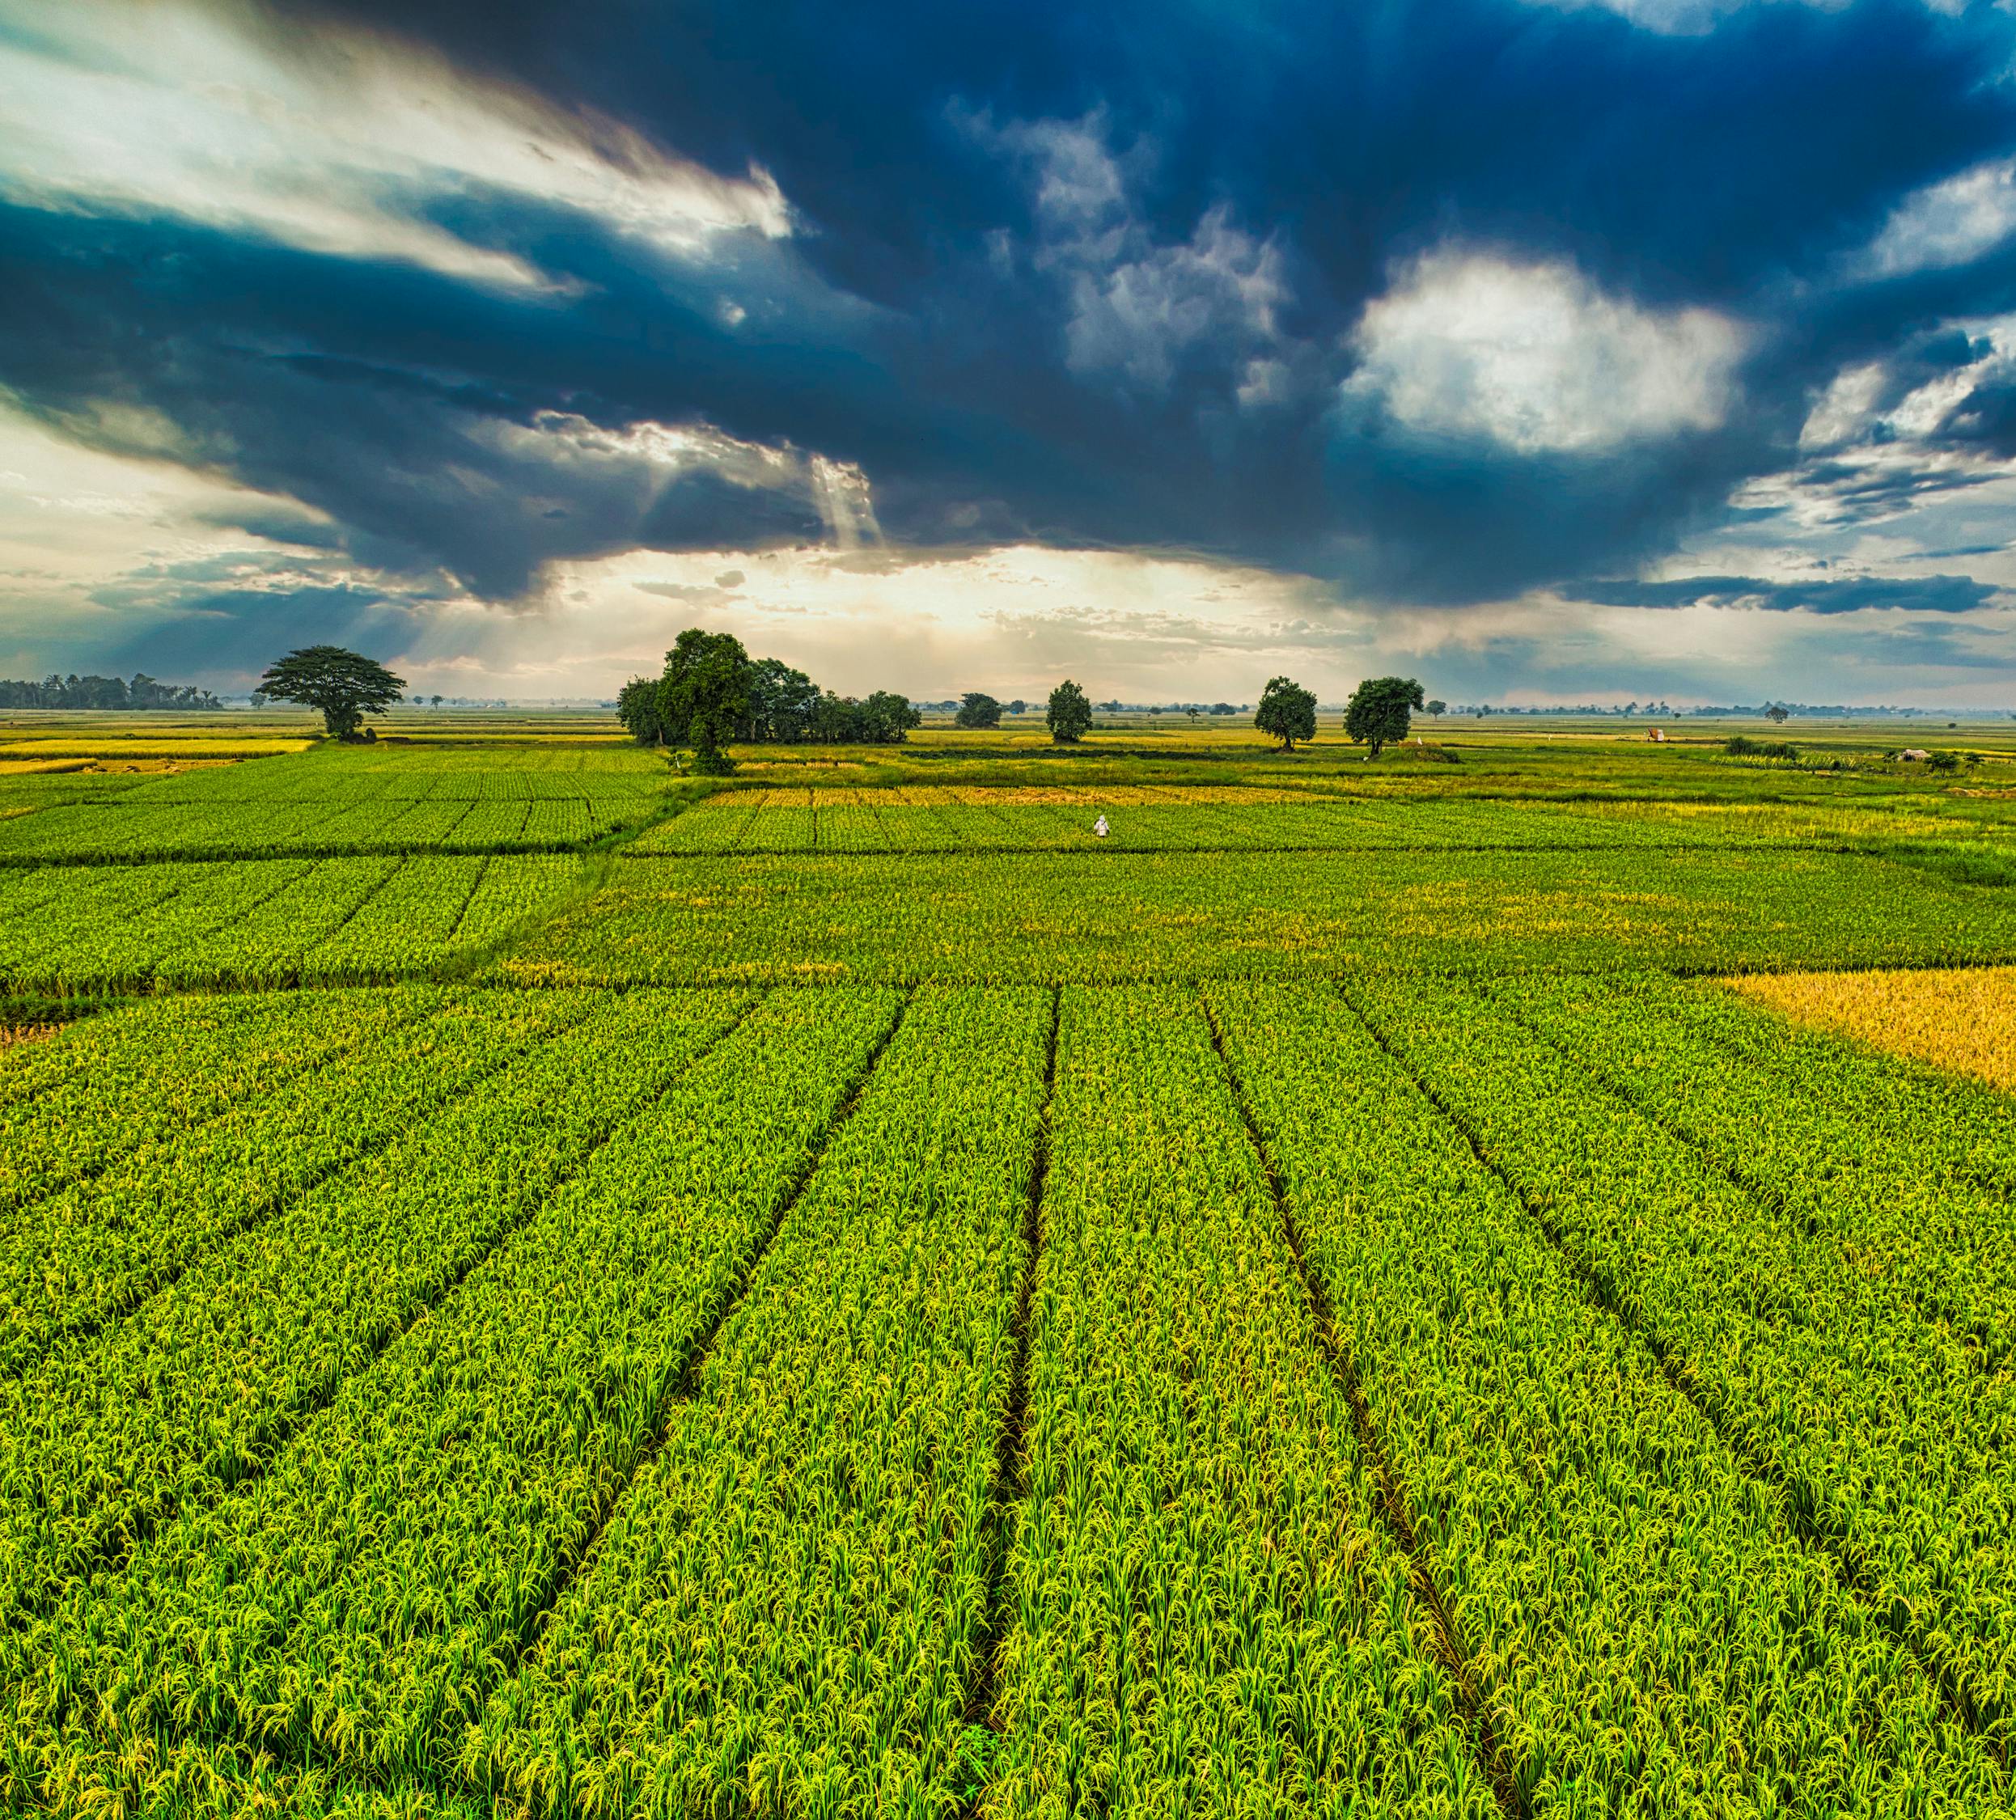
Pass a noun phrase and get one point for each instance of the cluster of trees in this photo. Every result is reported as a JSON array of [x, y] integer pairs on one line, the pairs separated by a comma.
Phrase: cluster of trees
[[974, 710], [711, 693], [1379, 713], [102, 693], [1068, 713]]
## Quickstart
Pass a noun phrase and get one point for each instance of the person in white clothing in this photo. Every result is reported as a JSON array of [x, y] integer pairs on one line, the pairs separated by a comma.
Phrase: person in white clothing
[[1099, 828]]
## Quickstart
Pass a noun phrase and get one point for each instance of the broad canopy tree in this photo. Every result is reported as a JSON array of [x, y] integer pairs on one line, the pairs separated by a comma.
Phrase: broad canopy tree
[[1069, 715], [704, 695], [1379, 712], [344, 685], [1287, 711], [977, 710]]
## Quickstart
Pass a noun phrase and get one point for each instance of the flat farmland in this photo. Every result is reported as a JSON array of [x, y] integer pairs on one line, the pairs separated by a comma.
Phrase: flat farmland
[[1367, 1290]]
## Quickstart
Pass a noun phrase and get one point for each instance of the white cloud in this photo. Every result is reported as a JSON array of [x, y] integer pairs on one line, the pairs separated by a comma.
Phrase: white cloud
[[1877, 454], [559, 460], [1136, 317], [1945, 224], [1138, 308], [1533, 357], [1692, 16], [348, 147]]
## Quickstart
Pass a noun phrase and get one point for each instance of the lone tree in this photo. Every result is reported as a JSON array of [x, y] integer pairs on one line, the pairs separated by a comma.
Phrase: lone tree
[[977, 710], [1437, 709], [345, 686], [1377, 713], [704, 695], [1778, 713], [1069, 714], [1286, 711]]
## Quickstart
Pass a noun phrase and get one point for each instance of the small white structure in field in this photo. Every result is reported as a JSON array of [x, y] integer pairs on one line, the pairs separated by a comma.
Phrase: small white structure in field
[[1658, 735], [1100, 827], [1913, 753]]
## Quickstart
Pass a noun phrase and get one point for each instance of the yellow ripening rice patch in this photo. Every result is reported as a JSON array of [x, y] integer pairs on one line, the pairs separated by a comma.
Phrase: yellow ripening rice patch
[[1962, 1019], [12, 1033], [137, 746]]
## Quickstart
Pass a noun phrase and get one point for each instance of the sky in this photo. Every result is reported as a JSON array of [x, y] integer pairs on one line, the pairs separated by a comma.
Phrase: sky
[[1546, 351]]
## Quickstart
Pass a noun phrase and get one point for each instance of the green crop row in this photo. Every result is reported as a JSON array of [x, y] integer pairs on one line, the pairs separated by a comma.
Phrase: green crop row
[[1895, 1450], [786, 1612], [1912, 1178], [1649, 1633], [1008, 918], [143, 1076], [357, 1599], [389, 773], [196, 1388], [1204, 1615], [85, 1255], [139, 830], [264, 922]]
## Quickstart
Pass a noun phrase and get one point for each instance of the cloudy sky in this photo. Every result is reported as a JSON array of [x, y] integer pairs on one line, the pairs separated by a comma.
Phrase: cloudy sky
[[1546, 351]]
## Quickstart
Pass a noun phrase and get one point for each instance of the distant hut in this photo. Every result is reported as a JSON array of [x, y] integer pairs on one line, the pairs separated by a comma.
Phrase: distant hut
[[1913, 754]]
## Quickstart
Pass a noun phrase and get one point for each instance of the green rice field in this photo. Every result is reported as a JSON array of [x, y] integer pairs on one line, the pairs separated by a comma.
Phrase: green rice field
[[534, 1283]]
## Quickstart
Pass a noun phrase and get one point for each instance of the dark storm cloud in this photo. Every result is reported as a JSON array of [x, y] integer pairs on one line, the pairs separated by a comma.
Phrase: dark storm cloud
[[1153, 363], [1930, 594], [233, 632], [1985, 419]]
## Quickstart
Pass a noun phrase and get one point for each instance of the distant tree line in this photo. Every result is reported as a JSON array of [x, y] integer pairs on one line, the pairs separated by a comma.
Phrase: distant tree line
[[102, 693], [712, 694]]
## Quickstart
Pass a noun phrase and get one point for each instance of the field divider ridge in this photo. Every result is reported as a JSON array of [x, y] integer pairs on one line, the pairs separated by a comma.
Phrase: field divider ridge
[[1848, 1560], [468, 897], [596, 857], [1010, 1471], [688, 1373], [1395, 1511]]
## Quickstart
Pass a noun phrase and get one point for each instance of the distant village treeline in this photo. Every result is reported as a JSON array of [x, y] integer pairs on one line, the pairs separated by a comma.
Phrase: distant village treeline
[[106, 692]]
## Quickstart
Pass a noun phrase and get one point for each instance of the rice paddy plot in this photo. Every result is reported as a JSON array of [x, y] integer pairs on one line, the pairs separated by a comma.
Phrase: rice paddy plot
[[83, 929], [982, 917], [1229, 819]]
